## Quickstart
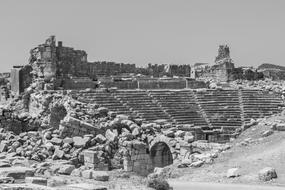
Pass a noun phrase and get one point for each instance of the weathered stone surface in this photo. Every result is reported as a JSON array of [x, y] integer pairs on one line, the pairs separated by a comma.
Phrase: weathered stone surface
[[86, 186], [56, 141], [91, 157], [100, 139], [76, 173], [79, 142], [56, 181], [100, 175], [36, 180], [233, 172], [58, 154], [3, 146], [87, 174], [197, 164], [280, 127], [17, 172], [267, 133], [111, 136], [66, 169], [68, 140], [267, 174]]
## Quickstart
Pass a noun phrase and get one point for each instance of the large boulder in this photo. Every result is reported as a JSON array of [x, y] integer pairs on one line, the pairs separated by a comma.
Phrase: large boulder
[[66, 169], [79, 142], [233, 172], [267, 174]]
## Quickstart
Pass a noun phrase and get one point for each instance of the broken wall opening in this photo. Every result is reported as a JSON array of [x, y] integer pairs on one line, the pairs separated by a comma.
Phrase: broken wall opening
[[161, 155]]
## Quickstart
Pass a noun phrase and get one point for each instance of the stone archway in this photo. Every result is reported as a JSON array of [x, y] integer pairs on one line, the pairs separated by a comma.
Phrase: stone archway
[[160, 155]]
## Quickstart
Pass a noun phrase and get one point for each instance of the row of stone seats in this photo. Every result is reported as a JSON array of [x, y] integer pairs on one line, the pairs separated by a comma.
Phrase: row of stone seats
[[258, 104], [180, 105], [142, 104], [222, 107], [105, 99]]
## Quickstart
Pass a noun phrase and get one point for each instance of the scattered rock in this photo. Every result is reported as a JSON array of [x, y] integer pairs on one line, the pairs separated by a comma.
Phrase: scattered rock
[[233, 172], [36, 180], [66, 169], [267, 174], [100, 175], [267, 133]]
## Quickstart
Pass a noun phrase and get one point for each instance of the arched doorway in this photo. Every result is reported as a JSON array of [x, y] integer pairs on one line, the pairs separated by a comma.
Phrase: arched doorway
[[161, 155]]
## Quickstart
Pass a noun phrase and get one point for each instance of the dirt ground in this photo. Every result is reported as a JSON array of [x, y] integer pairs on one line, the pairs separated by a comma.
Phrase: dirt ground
[[260, 152]]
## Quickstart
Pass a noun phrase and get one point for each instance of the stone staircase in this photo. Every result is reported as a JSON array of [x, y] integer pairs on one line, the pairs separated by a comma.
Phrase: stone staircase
[[221, 107], [180, 105], [240, 99], [142, 104], [106, 99], [202, 111], [225, 109], [258, 104]]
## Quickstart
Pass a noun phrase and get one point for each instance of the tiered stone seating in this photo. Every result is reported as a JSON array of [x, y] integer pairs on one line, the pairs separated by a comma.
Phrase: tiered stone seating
[[142, 104], [210, 109], [258, 104], [105, 99], [221, 107], [180, 105]]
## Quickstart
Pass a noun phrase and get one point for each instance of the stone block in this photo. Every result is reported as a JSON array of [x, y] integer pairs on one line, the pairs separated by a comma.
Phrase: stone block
[[86, 186], [87, 174], [233, 172], [72, 121], [36, 180], [267, 174], [3, 146], [17, 172], [100, 176], [91, 157], [66, 169]]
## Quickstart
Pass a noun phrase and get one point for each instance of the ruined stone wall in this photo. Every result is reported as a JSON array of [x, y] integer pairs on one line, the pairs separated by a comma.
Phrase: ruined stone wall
[[220, 73], [137, 158], [21, 79], [146, 84], [43, 59], [109, 68], [71, 127]]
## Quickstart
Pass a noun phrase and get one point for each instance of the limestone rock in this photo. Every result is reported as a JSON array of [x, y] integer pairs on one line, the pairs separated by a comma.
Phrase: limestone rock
[[100, 139], [79, 142], [197, 164], [280, 127], [36, 180], [87, 174], [76, 173], [100, 175], [267, 174], [267, 133], [58, 154], [86, 186], [66, 169], [17, 172], [56, 141], [233, 172], [111, 136]]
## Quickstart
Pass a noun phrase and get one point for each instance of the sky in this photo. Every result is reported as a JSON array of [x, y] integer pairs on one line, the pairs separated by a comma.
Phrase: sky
[[146, 31]]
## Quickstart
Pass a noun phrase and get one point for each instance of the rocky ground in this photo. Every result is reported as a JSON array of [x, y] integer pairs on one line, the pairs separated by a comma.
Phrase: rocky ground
[[255, 157]]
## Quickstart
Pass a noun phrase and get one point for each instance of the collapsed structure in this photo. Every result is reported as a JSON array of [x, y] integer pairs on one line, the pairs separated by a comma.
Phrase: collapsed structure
[[106, 115]]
